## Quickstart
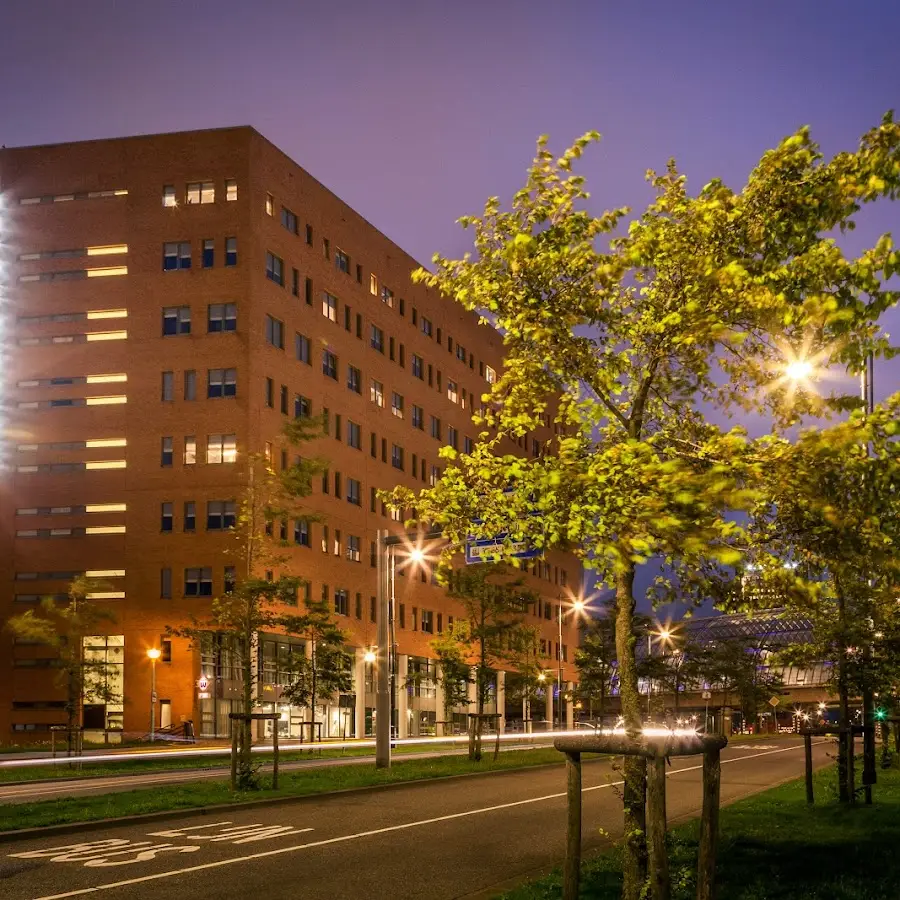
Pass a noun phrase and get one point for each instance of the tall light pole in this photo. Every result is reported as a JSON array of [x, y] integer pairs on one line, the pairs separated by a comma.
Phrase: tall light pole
[[577, 606], [153, 655], [386, 662], [664, 634]]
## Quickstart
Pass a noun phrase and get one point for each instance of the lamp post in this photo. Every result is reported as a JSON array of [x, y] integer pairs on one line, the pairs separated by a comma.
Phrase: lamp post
[[386, 662], [664, 634], [153, 655], [578, 606]]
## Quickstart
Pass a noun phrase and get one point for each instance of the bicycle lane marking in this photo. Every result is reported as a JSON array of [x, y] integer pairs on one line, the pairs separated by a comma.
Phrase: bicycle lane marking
[[375, 831]]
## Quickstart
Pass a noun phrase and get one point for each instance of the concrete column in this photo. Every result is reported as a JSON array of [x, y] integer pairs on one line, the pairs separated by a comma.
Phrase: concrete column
[[472, 696], [439, 697], [548, 698], [359, 676], [402, 717], [570, 714], [501, 701]]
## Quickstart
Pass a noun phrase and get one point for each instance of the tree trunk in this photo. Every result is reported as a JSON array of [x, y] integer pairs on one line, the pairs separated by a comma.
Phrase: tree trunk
[[634, 864], [845, 771], [245, 725], [312, 694]]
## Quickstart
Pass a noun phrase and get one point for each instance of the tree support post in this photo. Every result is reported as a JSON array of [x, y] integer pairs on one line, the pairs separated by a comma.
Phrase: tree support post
[[709, 823], [807, 748], [275, 755], [234, 745], [572, 870], [660, 881]]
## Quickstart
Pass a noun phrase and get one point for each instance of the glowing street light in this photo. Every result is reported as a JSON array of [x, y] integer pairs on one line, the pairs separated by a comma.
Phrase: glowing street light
[[370, 656], [798, 370]]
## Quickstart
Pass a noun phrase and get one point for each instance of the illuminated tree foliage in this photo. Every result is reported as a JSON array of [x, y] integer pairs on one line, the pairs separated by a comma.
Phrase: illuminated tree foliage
[[625, 341]]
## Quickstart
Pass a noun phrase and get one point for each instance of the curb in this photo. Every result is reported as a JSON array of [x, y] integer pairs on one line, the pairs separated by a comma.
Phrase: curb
[[26, 834]]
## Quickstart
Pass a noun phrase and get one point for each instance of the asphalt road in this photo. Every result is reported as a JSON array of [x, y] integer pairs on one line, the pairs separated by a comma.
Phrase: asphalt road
[[445, 839]]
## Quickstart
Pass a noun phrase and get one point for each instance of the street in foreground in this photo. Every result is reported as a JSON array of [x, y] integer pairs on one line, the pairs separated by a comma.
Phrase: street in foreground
[[435, 840]]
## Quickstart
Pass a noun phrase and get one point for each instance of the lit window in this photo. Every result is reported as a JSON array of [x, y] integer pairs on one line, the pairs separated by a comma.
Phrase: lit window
[[270, 205], [387, 296], [275, 268], [107, 250], [490, 375], [376, 393], [221, 317], [452, 391], [190, 449], [329, 306], [353, 545], [221, 383], [231, 189], [220, 448], [168, 196], [201, 192], [434, 477], [397, 404], [373, 284]]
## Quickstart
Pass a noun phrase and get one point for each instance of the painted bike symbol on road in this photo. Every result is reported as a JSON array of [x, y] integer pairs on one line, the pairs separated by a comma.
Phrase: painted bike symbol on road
[[123, 852]]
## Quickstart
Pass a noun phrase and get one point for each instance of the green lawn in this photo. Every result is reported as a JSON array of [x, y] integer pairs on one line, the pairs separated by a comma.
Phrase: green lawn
[[297, 783], [774, 847]]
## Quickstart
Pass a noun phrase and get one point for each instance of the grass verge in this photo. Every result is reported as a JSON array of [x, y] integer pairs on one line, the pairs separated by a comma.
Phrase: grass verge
[[292, 784], [774, 847]]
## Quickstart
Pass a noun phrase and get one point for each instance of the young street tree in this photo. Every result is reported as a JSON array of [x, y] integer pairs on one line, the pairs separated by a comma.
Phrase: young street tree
[[529, 677], [64, 627], [256, 604], [454, 672], [596, 664], [700, 304]]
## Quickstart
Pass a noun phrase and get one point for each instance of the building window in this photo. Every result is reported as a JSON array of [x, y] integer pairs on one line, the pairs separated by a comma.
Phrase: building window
[[302, 407], [166, 452], [436, 428], [435, 476], [452, 391], [326, 248], [289, 221], [342, 602], [270, 205], [221, 448], [376, 393], [275, 268], [176, 255], [165, 583], [166, 517], [418, 417], [342, 261], [201, 192], [387, 296], [190, 450], [301, 532], [490, 375], [329, 306], [275, 332], [468, 444], [295, 282], [220, 514], [231, 189], [417, 366], [427, 621], [270, 393], [377, 339], [283, 406], [168, 387], [354, 379], [208, 256], [397, 404], [221, 383], [397, 456], [329, 364], [354, 435], [231, 251], [453, 437], [229, 579], [301, 348], [221, 317], [353, 544], [198, 582], [176, 320], [309, 235], [426, 326], [190, 515], [190, 384], [354, 491], [168, 195]]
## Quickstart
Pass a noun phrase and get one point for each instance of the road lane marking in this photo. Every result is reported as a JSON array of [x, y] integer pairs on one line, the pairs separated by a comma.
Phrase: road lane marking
[[375, 831], [93, 854], [237, 834]]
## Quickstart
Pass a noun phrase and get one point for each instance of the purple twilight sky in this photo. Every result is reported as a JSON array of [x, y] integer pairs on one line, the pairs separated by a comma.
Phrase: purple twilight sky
[[414, 112]]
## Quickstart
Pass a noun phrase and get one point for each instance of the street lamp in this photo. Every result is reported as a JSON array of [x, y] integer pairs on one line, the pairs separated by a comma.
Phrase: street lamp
[[664, 635], [153, 654], [370, 656], [386, 689], [578, 606]]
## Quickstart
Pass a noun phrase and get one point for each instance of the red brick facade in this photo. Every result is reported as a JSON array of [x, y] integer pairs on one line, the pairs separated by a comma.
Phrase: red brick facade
[[109, 196]]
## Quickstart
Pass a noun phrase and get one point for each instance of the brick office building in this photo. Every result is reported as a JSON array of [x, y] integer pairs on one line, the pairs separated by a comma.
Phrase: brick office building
[[168, 300]]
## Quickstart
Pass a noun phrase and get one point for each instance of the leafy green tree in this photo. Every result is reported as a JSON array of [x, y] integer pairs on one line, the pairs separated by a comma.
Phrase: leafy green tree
[[454, 672], [825, 536], [529, 678], [326, 671], [64, 627], [255, 604], [495, 602], [596, 664], [696, 305]]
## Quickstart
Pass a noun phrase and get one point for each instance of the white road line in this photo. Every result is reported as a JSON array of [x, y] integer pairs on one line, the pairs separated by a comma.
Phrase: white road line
[[362, 834]]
